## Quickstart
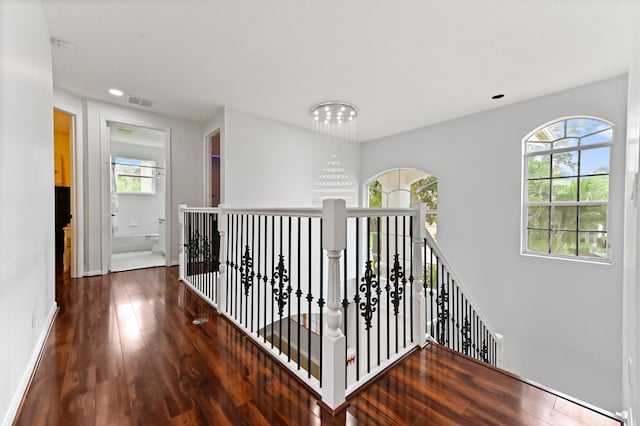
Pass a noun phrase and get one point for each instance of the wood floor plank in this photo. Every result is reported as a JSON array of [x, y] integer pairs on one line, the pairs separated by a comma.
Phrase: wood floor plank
[[112, 402], [146, 403], [123, 350]]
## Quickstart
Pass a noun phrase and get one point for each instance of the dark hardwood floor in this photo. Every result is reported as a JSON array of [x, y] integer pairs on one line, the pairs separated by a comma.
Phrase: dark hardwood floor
[[123, 350]]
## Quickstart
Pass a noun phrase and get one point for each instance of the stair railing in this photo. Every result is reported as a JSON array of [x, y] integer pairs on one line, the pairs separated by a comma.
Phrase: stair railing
[[453, 318], [335, 294]]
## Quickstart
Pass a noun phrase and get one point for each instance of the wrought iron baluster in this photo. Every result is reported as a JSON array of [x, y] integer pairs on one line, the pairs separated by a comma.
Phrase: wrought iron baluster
[[273, 277], [289, 290], [369, 290], [321, 300], [466, 330], [241, 270], [265, 279], [230, 265], [454, 304], [309, 300], [404, 281], [368, 286], [299, 290], [253, 245], [397, 299], [484, 352], [397, 274], [379, 287], [443, 311], [388, 291], [345, 316], [411, 279], [281, 276], [282, 301], [356, 297], [258, 275]]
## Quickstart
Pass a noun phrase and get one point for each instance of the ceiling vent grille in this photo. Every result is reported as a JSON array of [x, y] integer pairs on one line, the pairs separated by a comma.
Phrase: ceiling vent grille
[[136, 100]]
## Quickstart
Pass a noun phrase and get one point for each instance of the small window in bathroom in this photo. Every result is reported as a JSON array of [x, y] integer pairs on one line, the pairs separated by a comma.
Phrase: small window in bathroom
[[134, 176]]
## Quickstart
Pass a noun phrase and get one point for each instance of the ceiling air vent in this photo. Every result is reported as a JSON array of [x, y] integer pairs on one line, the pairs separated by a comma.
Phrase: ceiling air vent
[[135, 100]]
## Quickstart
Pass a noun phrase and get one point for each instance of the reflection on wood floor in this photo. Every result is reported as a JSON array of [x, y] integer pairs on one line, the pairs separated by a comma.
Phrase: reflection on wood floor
[[123, 350]]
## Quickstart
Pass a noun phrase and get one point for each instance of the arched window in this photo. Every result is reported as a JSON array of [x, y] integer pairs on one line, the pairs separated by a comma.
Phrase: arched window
[[401, 188], [566, 189]]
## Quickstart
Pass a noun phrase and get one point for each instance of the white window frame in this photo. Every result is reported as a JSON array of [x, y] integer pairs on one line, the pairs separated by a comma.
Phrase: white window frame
[[148, 166], [525, 178]]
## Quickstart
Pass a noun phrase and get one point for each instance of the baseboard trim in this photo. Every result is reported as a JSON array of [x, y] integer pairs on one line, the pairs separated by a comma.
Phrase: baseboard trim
[[30, 370], [93, 273]]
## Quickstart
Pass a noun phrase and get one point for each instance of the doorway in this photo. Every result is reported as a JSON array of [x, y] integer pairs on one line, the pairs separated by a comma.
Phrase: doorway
[[137, 188], [64, 200], [215, 169]]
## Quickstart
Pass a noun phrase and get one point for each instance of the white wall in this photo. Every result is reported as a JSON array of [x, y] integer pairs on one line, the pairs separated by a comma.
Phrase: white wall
[[184, 170], [26, 196], [268, 163], [561, 319], [138, 213], [631, 296]]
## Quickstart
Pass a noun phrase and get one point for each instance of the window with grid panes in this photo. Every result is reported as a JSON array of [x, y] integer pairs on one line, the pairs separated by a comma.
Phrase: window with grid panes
[[566, 189], [135, 176]]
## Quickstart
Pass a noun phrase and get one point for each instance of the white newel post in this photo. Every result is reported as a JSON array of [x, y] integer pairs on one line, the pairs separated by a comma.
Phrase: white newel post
[[222, 267], [499, 354], [419, 305], [334, 241], [181, 255]]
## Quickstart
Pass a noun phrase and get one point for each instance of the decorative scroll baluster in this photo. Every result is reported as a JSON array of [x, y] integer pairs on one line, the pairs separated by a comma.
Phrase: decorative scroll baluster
[[246, 270], [281, 275], [442, 302], [397, 275], [368, 286], [484, 351], [466, 335]]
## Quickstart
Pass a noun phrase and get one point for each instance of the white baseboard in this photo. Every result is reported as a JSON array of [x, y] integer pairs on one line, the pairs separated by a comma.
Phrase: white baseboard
[[31, 367], [93, 273], [174, 263]]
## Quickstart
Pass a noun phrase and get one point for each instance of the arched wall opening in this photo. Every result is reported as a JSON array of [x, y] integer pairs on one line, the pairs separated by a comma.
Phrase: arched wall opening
[[402, 187]]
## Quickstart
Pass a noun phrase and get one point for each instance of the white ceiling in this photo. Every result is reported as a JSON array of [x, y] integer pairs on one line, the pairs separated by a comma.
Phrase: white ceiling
[[404, 63]]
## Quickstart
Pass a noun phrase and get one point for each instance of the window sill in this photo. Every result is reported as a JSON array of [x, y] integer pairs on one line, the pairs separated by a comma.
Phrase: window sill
[[568, 258]]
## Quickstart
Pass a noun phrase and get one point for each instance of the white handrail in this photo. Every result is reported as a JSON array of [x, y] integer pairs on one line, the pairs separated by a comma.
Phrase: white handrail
[[378, 212], [304, 211], [200, 209], [262, 211]]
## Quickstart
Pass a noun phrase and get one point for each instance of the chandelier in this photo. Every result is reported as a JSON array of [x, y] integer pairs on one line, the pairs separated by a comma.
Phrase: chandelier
[[335, 118], [335, 123]]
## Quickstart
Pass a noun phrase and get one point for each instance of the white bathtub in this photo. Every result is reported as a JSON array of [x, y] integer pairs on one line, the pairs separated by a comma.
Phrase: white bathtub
[[127, 243]]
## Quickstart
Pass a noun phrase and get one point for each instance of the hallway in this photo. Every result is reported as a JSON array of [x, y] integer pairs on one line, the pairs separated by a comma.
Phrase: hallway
[[123, 350]]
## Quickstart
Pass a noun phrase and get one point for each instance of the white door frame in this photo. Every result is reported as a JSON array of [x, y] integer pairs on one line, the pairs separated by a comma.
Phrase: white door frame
[[105, 184], [206, 196]]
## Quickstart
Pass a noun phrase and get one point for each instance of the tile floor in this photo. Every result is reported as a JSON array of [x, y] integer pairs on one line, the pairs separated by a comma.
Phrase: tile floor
[[135, 260]]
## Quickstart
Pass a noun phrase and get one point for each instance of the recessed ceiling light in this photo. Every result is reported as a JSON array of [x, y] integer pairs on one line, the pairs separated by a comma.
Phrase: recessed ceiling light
[[498, 96], [116, 92]]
